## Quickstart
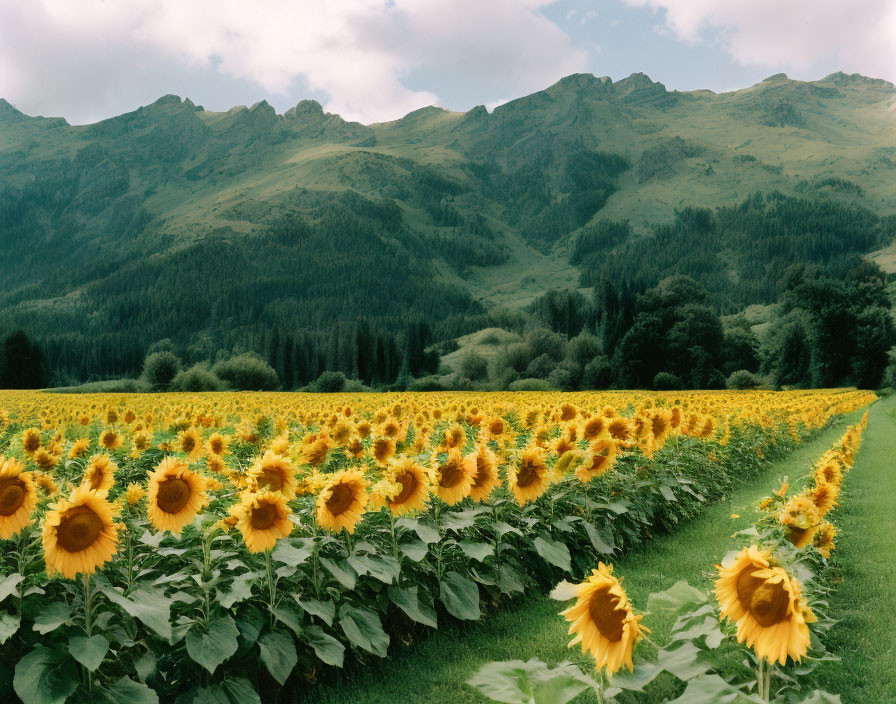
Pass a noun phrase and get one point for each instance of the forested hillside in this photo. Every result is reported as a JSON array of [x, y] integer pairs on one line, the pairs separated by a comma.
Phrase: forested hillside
[[323, 244]]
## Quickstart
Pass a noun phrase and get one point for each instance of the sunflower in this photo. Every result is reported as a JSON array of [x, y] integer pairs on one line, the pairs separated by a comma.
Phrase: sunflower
[[317, 451], [766, 605], [483, 466], [453, 478], [530, 479], [79, 534], [603, 621], [218, 443], [414, 491], [175, 495], [111, 440], [190, 443], [274, 472], [99, 475], [342, 501], [383, 449], [824, 496], [597, 460], [620, 429], [134, 493], [595, 428], [262, 518], [800, 519], [79, 448], [824, 539], [31, 440], [18, 496], [830, 471]]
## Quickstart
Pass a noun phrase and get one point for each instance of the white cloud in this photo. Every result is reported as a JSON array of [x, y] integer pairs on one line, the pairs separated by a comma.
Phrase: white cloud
[[80, 57], [858, 36]]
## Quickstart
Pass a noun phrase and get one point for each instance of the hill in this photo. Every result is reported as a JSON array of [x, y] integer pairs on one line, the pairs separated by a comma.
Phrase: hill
[[220, 229]]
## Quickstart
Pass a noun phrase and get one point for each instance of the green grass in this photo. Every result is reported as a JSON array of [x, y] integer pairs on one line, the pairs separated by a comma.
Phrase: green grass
[[865, 601], [435, 670]]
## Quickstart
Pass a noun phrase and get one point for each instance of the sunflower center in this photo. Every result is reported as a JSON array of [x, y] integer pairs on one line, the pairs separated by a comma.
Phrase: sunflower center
[[96, 478], [12, 495], [173, 495], [271, 479], [451, 475], [264, 516], [767, 602], [78, 529], [603, 607], [188, 444], [482, 472], [217, 446], [340, 499], [408, 483], [526, 476]]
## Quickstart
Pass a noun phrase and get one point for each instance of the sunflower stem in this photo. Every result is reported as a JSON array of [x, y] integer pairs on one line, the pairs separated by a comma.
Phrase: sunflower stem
[[272, 587], [88, 621]]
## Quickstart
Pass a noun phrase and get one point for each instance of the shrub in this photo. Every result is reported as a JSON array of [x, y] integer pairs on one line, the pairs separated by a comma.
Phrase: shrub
[[247, 372], [530, 385], [160, 368], [540, 367], [197, 378], [427, 383], [743, 379], [664, 381], [329, 383], [473, 366]]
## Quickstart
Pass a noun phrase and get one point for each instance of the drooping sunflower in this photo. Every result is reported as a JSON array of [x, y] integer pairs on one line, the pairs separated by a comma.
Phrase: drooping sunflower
[[190, 443], [483, 465], [111, 440], [453, 478], [455, 437], [824, 539], [529, 479], [99, 475], [275, 472], [595, 428], [620, 429], [824, 496], [79, 534], [597, 460], [31, 440], [262, 518], [175, 495], [603, 621], [18, 497], [800, 519], [342, 501], [79, 448], [830, 471], [414, 492], [766, 605], [383, 449]]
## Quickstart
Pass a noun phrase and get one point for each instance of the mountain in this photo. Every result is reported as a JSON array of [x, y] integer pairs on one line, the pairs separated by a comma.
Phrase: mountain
[[214, 228]]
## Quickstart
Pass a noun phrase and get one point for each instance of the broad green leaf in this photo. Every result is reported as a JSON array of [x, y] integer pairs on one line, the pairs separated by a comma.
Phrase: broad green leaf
[[289, 616], [324, 610], [601, 541], [51, 617], [145, 665], [477, 551], [10, 585], [89, 651], [126, 691], [278, 653], [9, 626], [532, 682], [510, 580], [145, 604], [326, 647], [685, 662], [408, 600], [293, 552], [644, 673], [460, 595], [416, 550], [250, 621], [460, 520], [213, 648], [239, 590], [667, 493], [425, 532], [363, 629], [712, 689], [46, 676], [554, 552], [680, 598], [385, 569], [344, 573], [240, 691], [819, 696]]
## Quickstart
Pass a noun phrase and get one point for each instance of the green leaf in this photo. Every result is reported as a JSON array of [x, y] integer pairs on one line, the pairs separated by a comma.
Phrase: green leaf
[[326, 647], [52, 617], [509, 580], [425, 532], [250, 622], [289, 617], [602, 542], [712, 689], [460, 520], [9, 626], [532, 682], [685, 662], [239, 590], [343, 573], [408, 600], [278, 653], [126, 691], [460, 595], [363, 629], [213, 648], [145, 604], [667, 493], [324, 610], [45, 676], [291, 554], [384, 569], [9, 586], [240, 691], [819, 696], [145, 665], [416, 551], [680, 598], [554, 552], [477, 551], [89, 651]]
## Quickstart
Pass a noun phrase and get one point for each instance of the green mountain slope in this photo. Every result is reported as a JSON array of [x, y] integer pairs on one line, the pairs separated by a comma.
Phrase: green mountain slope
[[212, 228]]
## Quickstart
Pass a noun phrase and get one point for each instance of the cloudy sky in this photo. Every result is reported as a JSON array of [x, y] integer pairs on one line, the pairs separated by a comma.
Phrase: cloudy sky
[[375, 60]]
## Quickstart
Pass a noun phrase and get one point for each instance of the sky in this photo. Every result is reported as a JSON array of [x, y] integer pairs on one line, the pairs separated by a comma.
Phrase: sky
[[377, 60]]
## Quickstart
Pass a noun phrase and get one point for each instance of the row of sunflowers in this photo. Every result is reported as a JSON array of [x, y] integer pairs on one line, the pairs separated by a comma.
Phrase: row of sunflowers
[[767, 608], [235, 546]]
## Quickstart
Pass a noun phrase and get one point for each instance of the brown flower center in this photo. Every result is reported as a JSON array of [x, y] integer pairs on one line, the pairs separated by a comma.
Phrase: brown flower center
[[483, 472], [78, 529], [263, 516], [340, 499], [32, 442], [173, 495], [217, 445], [767, 602], [188, 443], [451, 475], [603, 607], [527, 475], [12, 495], [408, 483], [270, 478]]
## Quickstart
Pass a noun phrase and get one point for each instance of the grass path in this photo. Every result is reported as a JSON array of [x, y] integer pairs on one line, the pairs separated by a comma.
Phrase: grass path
[[434, 671], [865, 601]]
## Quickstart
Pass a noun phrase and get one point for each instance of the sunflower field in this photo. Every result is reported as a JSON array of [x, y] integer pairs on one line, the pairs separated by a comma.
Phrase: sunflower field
[[232, 547]]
